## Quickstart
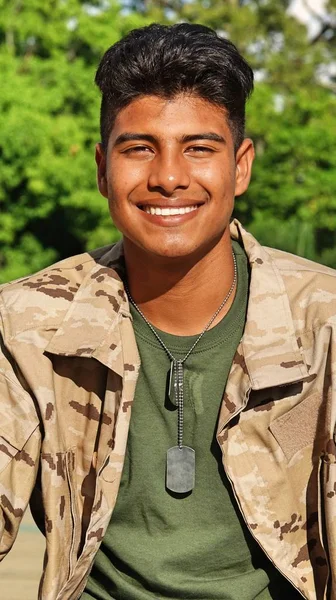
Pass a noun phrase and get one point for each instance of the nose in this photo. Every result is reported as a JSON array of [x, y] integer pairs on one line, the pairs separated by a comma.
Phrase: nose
[[168, 173]]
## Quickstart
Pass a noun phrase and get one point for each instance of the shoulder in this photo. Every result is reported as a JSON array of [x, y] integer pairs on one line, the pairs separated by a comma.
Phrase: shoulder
[[280, 280], [291, 263], [310, 287], [42, 299]]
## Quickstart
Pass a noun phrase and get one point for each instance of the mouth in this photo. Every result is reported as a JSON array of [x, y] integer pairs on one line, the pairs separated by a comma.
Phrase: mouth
[[169, 211]]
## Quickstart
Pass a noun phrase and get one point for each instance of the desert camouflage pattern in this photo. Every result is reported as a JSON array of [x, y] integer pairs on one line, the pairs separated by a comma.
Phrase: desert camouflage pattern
[[68, 370]]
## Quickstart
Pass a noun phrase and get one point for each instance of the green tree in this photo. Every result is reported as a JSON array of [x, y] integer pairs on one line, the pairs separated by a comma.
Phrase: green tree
[[49, 123]]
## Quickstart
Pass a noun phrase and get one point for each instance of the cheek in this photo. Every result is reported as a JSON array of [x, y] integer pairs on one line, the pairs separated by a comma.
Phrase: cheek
[[124, 177], [117, 183], [218, 179]]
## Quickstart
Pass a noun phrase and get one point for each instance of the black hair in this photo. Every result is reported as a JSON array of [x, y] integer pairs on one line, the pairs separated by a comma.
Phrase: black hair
[[165, 61]]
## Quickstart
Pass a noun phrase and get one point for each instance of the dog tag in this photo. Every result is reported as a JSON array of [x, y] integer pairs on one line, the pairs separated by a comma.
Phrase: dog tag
[[180, 473]]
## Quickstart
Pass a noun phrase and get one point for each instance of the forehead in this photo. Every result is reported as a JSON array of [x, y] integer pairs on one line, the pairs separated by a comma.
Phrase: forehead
[[174, 117]]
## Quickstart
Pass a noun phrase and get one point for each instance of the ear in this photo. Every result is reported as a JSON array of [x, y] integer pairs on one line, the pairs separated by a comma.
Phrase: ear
[[101, 170], [244, 161]]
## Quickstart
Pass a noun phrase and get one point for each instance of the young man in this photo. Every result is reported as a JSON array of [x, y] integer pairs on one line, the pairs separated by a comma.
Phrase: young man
[[208, 472]]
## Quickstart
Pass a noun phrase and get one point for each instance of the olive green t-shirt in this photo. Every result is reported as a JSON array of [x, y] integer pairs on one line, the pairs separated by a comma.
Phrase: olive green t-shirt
[[192, 546]]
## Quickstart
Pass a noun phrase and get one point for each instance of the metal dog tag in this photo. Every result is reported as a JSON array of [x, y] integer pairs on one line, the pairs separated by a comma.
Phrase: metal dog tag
[[180, 473]]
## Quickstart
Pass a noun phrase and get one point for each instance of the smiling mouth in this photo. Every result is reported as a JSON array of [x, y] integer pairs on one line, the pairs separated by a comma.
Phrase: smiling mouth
[[166, 211]]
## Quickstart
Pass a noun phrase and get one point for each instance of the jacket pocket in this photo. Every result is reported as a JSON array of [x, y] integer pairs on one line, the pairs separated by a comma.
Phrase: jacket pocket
[[18, 422], [12, 446], [299, 427], [7, 452]]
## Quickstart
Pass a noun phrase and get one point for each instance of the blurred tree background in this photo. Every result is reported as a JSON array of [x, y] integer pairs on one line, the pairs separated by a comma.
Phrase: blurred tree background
[[49, 122]]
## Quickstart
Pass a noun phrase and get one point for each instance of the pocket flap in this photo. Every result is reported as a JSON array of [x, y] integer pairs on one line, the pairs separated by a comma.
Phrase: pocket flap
[[18, 415]]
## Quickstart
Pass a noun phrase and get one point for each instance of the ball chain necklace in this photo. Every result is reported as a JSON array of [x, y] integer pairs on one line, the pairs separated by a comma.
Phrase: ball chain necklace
[[180, 465]]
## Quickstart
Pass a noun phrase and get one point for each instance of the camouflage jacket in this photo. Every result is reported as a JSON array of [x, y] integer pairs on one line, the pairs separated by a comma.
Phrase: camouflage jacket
[[68, 370]]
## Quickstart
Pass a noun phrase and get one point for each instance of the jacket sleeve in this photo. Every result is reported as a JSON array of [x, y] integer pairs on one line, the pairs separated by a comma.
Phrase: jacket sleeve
[[20, 441], [329, 467]]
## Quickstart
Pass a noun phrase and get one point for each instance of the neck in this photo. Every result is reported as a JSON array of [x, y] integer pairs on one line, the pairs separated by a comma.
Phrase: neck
[[180, 295]]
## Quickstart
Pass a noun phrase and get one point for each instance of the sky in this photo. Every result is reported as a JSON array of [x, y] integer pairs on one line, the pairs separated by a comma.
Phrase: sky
[[300, 10]]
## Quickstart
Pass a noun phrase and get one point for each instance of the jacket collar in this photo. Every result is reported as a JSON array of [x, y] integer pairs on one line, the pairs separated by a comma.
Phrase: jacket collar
[[270, 351], [90, 327], [269, 345]]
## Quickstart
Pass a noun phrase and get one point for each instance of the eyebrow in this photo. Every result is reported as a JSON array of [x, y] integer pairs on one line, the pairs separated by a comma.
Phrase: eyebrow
[[131, 137], [213, 137]]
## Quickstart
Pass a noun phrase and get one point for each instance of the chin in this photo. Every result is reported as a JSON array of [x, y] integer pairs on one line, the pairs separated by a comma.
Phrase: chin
[[169, 247], [177, 251]]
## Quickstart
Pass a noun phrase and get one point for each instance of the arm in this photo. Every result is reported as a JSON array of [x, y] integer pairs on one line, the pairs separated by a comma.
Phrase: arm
[[20, 440]]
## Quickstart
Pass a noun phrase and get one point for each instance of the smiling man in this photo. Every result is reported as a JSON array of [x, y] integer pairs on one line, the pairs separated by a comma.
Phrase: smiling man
[[169, 403]]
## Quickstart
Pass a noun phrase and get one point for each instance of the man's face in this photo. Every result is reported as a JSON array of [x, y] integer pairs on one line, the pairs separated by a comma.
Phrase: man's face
[[170, 174]]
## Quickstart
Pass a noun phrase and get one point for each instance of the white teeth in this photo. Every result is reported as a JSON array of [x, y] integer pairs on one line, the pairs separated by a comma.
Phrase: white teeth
[[168, 212]]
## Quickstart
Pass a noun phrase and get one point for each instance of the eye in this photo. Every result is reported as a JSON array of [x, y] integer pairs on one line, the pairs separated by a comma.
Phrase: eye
[[137, 150], [200, 150]]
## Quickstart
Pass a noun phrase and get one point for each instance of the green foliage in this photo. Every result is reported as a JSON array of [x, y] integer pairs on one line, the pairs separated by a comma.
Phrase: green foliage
[[49, 112]]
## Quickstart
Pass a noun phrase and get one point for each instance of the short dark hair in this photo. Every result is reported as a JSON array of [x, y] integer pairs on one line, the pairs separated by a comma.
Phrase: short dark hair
[[164, 61]]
